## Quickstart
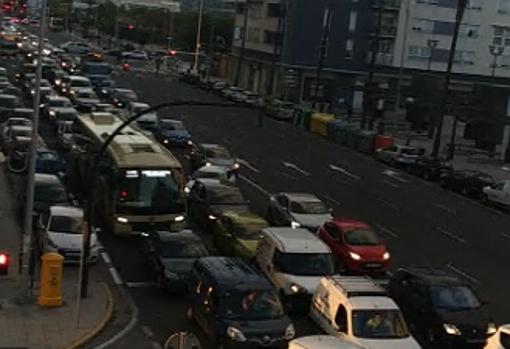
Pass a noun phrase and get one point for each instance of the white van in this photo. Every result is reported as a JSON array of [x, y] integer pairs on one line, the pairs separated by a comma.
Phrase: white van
[[321, 342], [358, 310], [500, 340]]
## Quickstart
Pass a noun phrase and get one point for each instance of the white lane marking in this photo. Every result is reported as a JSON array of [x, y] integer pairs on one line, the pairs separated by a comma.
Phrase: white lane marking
[[140, 284], [506, 235], [391, 184], [389, 204], [248, 165], [115, 276], [395, 175], [255, 185], [148, 332], [386, 230], [330, 199], [444, 208], [106, 258], [452, 236], [462, 273], [285, 174], [343, 171], [295, 168]]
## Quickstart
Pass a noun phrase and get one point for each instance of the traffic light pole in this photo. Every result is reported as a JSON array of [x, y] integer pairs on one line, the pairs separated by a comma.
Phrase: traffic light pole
[[323, 49], [461, 6]]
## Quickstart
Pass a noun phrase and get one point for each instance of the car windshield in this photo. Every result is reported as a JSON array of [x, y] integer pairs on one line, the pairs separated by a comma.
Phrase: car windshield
[[182, 249], [47, 156], [49, 193], [249, 231], [59, 103], [308, 207], [253, 305], [217, 153], [66, 225], [225, 196], [208, 174], [80, 83], [89, 95], [382, 324], [128, 95], [305, 264], [97, 69], [67, 116], [22, 133], [149, 191], [172, 125], [453, 298], [361, 237], [413, 151]]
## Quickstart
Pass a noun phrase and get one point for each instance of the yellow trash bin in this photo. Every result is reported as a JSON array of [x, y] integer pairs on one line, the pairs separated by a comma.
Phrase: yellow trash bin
[[319, 121], [50, 293]]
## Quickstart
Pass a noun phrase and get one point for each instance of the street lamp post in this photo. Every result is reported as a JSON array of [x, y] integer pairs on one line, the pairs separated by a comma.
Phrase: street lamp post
[[431, 44], [495, 52], [403, 52], [199, 31]]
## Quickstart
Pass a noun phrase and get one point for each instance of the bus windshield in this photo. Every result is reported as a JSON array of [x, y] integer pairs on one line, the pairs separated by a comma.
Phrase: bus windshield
[[149, 192]]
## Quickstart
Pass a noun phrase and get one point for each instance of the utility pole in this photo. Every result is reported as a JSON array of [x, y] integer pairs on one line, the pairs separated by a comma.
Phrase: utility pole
[[327, 20], [199, 32], [243, 42], [277, 47], [368, 95], [403, 53], [461, 6], [27, 257]]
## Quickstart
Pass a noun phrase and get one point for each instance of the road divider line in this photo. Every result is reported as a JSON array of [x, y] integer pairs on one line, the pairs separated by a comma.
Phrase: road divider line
[[106, 258], [140, 284], [391, 184], [288, 175], [115, 276], [452, 236], [343, 171], [295, 168], [330, 199], [248, 165], [444, 208], [463, 273], [394, 175], [386, 230], [389, 204], [254, 185]]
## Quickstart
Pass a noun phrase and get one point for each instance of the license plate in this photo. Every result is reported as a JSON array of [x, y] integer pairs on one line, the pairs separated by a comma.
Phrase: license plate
[[373, 265]]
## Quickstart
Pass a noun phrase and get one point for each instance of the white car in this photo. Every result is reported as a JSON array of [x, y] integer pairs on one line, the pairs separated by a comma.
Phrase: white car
[[63, 229], [223, 174], [137, 54], [498, 193], [12, 122], [399, 155], [500, 340], [228, 92], [321, 342]]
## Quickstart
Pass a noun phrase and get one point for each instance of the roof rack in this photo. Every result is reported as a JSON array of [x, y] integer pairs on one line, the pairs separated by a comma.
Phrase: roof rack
[[358, 286]]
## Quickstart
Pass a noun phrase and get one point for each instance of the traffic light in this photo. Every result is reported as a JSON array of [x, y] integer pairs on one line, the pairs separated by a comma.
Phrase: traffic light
[[172, 53], [131, 26], [4, 263]]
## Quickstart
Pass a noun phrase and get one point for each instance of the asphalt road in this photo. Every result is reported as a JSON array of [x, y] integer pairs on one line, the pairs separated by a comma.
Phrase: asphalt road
[[422, 223]]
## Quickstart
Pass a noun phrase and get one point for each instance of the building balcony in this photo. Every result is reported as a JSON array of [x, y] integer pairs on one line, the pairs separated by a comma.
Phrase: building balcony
[[380, 58], [390, 5], [386, 31]]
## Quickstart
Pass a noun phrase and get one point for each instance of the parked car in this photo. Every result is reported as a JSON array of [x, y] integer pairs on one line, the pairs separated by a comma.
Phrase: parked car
[[428, 168], [399, 155], [209, 199], [136, 54], [211, 154], [62, 230], [172, 133], [498, 193], [297, 210], [121, 97], [442, 308], [356, 246], [469, 183], [237, 307], [12, 122], [76, 48], [172, 255], [238, 234], [253, 99], [229, 91], [280, 110], [49, 162], [49, 191], [17, 137], [222, 174]]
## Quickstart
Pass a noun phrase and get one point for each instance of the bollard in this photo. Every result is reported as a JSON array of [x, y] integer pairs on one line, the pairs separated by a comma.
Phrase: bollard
[[50, 294]]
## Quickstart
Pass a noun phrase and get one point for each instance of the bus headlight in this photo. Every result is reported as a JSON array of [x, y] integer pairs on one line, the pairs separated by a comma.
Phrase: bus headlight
[[179, 219], [122, 220]]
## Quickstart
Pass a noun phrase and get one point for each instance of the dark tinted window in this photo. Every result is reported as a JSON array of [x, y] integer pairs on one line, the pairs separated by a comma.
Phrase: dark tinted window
[[253, 305], [308, 207], [186, 248], [65, 224], [217, 152], [361, 237], [49, 193], [453, 297], [225, 196], [304, 264]]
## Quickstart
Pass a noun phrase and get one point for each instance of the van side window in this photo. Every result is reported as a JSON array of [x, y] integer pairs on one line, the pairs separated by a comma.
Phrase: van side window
[[341, 319], [504, 340]]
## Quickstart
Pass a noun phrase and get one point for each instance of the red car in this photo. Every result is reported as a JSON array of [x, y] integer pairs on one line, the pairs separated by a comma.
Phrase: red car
[[356, 246]]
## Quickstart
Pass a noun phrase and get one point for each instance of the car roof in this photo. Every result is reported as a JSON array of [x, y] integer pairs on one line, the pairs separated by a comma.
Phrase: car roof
[[373, 303], [44, 178], [213, 169], [245, 217], [57, 98], [6, 96], [23, 110], [298, 240], [21, 128], [185, 234], [349, 223], [66, 110], [18, 119], [77, 77], [323, 342], [140, 104], [301, 197], [123, 90], [66, 211], [229, 273], [211, 146], [435, 277]]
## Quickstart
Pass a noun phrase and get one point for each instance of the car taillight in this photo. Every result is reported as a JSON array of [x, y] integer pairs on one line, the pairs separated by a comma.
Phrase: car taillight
[[4, 263]]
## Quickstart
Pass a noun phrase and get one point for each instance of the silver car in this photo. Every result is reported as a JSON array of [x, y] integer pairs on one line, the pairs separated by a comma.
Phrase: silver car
[[399, 155]]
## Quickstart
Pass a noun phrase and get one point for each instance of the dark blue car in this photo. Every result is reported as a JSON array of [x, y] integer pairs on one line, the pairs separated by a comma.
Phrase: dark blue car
[[49, 162], [172, 133]]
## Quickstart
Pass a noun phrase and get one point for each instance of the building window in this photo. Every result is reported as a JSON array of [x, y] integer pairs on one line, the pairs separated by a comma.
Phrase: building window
[[474, 4], [253, 35], [501, 36], [237, 33], [504, 6], [273, 10], [423, 25], [353, 17], [240, 8], [464, 57], [427, 2], [505, 62], [419, 52], [271, 37], [349, 49], [469, 30]]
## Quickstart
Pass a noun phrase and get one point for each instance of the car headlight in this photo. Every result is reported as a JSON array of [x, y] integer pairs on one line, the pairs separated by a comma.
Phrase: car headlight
[[212, 217], [492, 328], [41, 105], [19, 44], [235, 334], [190, 143], [386, 256], [354, 256], [52, 113], [103, 91], [296, 288], [208, 164], [170, 275], [122, 220], [451, 329], [290, 332], [179, 219], [64, 64], [295, 225], [32, 92], [58, 82], [165, 141], [236, 166], [187, 190]]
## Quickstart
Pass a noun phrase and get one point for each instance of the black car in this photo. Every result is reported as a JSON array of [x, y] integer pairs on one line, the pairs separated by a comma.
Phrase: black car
[[469, 183], [121, 97], [428, 168], [172, 256], [49, 191], [172, 133], [208, 199], [441, 308], [236, 306], [211, 154]]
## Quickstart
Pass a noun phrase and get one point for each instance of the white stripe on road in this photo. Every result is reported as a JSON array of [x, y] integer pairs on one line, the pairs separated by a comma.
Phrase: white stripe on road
[[140, 284], [444, 208], [386, 230], [255, 185], [452, 236], [462, 273], [295, 168], [343, 171], [248, 165], [395, 175], [106, 258], [115, 276], [391, 184]]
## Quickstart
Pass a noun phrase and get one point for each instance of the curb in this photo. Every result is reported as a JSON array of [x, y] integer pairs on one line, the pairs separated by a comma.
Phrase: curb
[[100, 326]]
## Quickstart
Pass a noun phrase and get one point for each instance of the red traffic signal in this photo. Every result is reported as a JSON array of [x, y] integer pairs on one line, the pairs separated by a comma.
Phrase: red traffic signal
[[131, 26], [4, 263], [172, 53]]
